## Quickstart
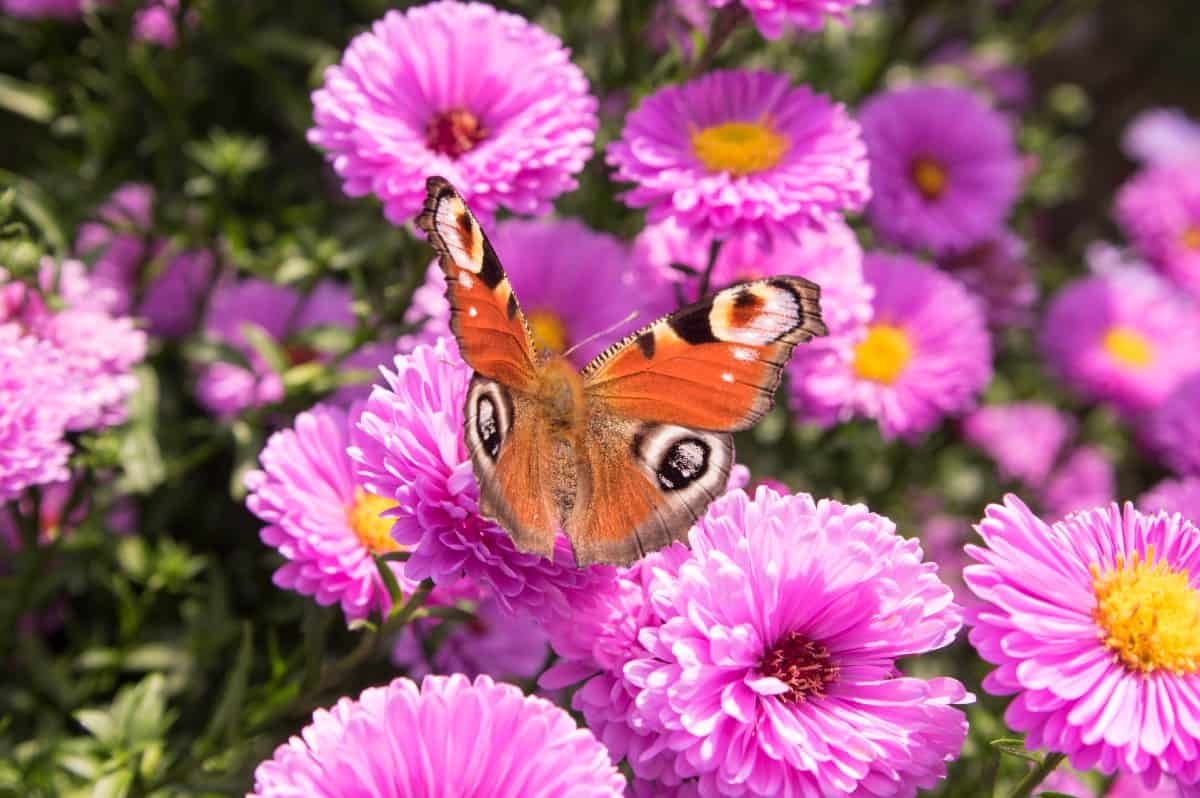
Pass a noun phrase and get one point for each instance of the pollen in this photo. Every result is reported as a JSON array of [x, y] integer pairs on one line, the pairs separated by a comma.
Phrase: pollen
[[454, 132], [1190, 237], [374, 532], [1149, 615], [740, 148], [804, 665], [549, 330], [883, 354], [929, 177], [1129, 347]]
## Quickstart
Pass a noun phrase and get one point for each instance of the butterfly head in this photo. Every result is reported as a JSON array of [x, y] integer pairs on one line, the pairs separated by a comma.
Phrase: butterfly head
[[560, 393]]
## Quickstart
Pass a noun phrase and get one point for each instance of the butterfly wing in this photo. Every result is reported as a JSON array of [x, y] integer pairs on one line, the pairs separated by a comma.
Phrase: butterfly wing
[[517, 463], [657, 448], [504, 431], [492, 333], [713, 365], [641, 485]]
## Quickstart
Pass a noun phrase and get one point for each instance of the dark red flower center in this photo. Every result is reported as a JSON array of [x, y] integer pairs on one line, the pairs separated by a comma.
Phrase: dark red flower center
[[454, 132], [298, 354], [803, 665]]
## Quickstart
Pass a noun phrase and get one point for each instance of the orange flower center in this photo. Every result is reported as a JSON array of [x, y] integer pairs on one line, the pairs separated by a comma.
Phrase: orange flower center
[[1129, 347], [740, 148], [454, 132], [548, 330], [929, 176], [883, 354], [374, 532]]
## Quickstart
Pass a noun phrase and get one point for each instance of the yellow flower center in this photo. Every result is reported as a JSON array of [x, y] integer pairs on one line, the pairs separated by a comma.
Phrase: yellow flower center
[[1129, 347], [740, 148], [1190, 237], [548, 330], [363, 516], [883, 354], [929, 177], [1149, 614]]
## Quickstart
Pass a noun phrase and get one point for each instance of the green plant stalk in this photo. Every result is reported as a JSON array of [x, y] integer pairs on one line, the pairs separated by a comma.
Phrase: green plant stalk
[[1036, 776]]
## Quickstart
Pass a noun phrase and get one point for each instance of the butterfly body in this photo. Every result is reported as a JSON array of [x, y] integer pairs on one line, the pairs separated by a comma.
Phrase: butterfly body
[[625, 455]]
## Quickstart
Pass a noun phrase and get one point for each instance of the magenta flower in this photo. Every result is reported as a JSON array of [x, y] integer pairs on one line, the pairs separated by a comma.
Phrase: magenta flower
[[1085, 479], [451, 736], [1023, 438], [772, 669], [926, 354], [996, 271], [944, 168], [155, 22], [96, 350], [493, 642], [1124, 337], [1159, 209], [775, 17], [572, 282], [1174, 496], [41, 9], [138, 275], [326, 527], [408, 447], [1174, 427], [1092, 624], [832, 258], [280, 312], [1127, 786], [1162, 135], [481, 96], [35, 407], [738, 153]]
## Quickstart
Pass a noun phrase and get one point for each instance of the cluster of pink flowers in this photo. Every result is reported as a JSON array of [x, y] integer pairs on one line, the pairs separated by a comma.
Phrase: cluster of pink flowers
[[155, 22], [67, 366]]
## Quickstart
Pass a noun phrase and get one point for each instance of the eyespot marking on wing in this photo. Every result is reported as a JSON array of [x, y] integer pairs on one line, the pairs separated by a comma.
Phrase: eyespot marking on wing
[[489, 417], [755, 314]]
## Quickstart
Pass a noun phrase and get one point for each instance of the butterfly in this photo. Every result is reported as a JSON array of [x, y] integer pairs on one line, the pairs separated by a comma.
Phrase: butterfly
[[625, 455]]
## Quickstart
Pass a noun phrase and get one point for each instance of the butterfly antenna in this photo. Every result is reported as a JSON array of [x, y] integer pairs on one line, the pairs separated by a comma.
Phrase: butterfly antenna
[[605, 331]]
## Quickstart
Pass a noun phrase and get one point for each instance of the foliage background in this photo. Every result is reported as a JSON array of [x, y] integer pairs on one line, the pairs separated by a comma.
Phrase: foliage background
[[178, 666]]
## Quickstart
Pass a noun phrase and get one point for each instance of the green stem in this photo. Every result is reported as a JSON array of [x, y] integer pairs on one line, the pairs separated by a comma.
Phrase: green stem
[[724, 23], [1036, 776]]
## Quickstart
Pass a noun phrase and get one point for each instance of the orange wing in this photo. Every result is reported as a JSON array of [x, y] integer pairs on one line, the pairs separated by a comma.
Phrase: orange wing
[[492, 333], [713, 365]]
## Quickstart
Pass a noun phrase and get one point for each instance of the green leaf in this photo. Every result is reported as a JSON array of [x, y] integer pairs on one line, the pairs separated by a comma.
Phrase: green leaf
[[26, 99], [224, 722], [114, 785], [1015, 746], [99, 723], [266, 346]]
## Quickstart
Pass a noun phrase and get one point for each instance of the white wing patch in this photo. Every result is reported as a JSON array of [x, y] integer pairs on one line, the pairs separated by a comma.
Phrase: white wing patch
[[755, 314]]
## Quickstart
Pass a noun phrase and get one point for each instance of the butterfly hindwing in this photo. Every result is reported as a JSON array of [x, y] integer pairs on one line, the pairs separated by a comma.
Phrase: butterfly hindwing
[[642, 485], [512, 455], [713, 365], [492, 333]]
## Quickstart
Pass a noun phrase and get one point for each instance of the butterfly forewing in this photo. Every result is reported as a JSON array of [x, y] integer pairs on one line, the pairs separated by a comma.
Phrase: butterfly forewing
[[713, 365], [492, 333]]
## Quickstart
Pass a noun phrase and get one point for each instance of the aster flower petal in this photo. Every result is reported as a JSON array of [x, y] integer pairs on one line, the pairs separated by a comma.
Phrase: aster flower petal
[[944, 167], [1159, 209], [774, 18], [450, 736], [481, 96], [781, 159]]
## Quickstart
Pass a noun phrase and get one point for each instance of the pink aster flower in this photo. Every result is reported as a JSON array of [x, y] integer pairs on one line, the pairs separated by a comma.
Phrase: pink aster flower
[[280, 312], [572, 282], [1129, 786], [944, 168], [34, 410], [997, 272], [41, 9], [772, 670], [1023, 438], [481, 96], [832, 258], [1065, 782], [408, 447], [926, 355], [138, 275], [1159, 209], [1162, 135], [738, 152], [1124, 337], [1174, 427], [326, 527], [1092, 624], [156, 21], [775, 17], [493, 642], [96, 350], [450, 736], [1174, 496], [1086, 478]]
